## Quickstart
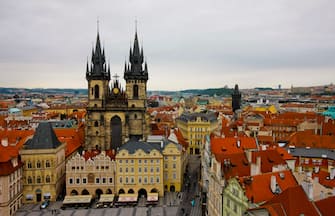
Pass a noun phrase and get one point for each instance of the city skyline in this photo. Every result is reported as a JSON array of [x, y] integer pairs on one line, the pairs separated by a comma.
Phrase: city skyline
[[188, 45]]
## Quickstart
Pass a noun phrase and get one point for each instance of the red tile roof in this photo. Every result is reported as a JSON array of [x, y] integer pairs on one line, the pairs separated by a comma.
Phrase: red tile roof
[[180, 138], [294, 202], [284, 154], [7, 168], [322, 175], [326, 206], [73, 137], [269, 158], [258, 189], [229, 145], [233, 165], [309, 139], [91, 154]]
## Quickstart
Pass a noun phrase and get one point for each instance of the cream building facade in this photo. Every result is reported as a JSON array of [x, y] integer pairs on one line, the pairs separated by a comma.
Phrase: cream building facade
[[44, 169], [10, 186], [91, 172]]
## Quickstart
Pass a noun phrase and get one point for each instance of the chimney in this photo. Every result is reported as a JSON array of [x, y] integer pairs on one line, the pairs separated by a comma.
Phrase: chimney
[[4, 142], [238, 143], [249, 156], [255, 168], [258, 164], [322, 195], [332, 173], [273, 183]]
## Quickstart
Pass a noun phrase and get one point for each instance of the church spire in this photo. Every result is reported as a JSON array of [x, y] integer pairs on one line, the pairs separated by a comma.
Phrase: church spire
[[136, 60], [98, 69]]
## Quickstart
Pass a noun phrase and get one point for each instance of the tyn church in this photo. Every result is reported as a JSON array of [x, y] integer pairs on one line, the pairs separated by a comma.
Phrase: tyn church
[[114, 114]]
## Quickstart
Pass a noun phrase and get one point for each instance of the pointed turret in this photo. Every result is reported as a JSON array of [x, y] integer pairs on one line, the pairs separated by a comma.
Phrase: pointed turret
[[135, 70], [98, 69]]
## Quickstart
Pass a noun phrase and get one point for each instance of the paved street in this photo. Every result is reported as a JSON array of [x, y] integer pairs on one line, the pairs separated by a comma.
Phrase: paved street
[[191, 189], [173, 203]]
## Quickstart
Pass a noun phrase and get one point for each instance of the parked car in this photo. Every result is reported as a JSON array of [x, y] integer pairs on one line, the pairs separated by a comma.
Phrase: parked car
[[44, 204]]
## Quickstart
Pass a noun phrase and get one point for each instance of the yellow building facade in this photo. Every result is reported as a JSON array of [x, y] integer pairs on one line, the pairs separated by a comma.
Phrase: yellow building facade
[[194, 127], [139, 169], [44, 169]]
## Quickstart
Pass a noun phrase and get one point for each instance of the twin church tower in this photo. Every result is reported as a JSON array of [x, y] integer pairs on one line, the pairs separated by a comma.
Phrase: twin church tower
[[114, 114]]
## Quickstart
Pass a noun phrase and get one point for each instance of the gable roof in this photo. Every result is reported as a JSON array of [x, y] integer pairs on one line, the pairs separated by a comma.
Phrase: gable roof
[[44, 138]]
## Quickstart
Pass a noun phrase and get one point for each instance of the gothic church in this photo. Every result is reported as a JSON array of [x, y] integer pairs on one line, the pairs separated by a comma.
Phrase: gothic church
[[114, 114]]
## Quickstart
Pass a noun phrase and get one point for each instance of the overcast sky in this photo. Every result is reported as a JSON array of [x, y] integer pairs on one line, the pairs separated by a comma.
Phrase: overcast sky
[[187, 43]]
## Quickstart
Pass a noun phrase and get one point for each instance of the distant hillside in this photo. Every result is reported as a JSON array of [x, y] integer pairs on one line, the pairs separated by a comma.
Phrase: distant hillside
[[210, 91], [51, 91], [41, 91]]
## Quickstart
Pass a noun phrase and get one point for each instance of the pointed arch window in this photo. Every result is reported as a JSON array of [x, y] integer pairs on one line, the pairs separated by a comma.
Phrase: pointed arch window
[[96, 92], [96, 124], [135, 91]]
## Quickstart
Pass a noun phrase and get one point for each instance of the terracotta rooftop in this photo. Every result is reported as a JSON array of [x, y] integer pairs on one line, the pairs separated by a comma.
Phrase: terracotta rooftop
[[294, 202], [269, 158], [233, 165], [326, 206], [231, 145], [308, 139], [259, 188]]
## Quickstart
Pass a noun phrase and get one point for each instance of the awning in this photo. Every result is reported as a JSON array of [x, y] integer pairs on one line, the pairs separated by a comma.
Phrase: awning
[[77, 199], [152, 197], [106, 198], [47, 195], [127, 198], [29, 196]]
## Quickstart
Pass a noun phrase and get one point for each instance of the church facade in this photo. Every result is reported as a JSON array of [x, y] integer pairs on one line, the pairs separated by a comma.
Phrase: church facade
[[115, 115]]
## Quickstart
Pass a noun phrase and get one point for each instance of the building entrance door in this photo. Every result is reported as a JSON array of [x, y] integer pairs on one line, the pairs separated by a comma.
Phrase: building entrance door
[[38, 195]]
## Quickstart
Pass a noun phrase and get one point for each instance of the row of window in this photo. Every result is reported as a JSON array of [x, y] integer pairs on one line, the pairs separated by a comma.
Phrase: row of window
[[166, 165], [145, 169], [102, 180], [144, 180], [97, 167], [30, 180], [199, 129], [174, 157], [125, 180], [39, 164], [166, 175], [145, 161]]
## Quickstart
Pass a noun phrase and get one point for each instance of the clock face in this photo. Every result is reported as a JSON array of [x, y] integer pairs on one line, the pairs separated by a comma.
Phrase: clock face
[[115, 90]]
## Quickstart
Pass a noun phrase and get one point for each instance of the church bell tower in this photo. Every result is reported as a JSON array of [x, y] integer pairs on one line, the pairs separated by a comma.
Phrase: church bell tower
[[136, 76]]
